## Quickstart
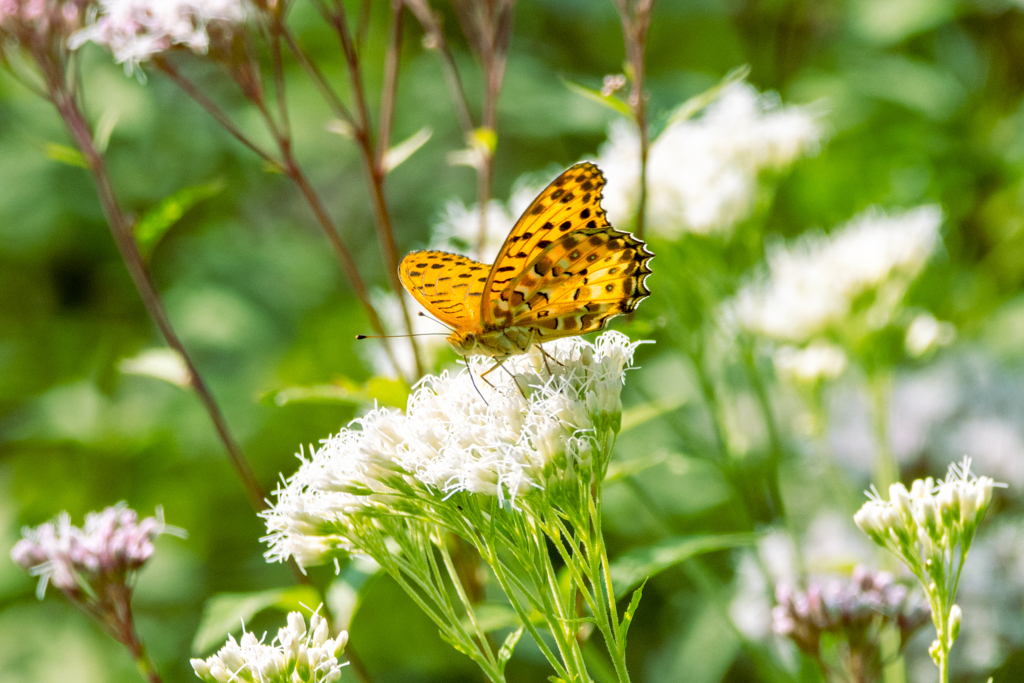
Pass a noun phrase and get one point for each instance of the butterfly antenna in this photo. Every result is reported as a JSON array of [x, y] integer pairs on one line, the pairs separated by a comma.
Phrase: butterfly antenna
[[424, 315], [473, 381], [400, 336]]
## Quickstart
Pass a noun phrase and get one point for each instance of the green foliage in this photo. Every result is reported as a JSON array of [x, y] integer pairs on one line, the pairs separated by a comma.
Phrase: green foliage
[[922, 101]]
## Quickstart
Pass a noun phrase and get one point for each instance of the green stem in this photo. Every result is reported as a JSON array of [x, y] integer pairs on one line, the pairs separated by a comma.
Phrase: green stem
[[886, 468], [468, 605]]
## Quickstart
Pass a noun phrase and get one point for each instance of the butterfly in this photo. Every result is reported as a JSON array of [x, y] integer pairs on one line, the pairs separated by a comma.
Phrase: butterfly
[[562, 271]]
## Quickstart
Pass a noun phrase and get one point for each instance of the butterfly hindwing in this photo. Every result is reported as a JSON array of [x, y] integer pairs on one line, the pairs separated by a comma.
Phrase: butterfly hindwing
[[449, 286], [580, 281], [572, 202]]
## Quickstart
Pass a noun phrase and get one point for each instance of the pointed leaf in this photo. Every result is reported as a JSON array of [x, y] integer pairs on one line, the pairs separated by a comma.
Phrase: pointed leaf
[[405, 149], [627, 617], [65, 155], [610, 101], [384, 391], [152, 227], [634, 566], [690, 107], [166, 364], [505, 653], [225, 613], [638, 415]]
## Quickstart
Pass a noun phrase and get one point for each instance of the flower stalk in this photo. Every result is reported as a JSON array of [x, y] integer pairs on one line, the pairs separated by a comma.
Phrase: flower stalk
[[511, 475], [930, 528]]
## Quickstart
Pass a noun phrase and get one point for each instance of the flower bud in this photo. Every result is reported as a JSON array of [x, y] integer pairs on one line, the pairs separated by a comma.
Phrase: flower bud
[[955, 617]]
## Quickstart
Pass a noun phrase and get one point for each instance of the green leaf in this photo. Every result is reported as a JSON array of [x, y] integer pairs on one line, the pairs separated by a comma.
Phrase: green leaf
[[638, 415], [627, 617], [65, 155], [610, 101], [388, 392], [226, 613], [163, 363], [405, 149], [632, 567], [505, 653], [152, 227], [690, 107]]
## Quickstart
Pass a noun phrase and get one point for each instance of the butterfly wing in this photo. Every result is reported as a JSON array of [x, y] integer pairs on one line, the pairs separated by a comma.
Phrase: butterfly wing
[[581, 281], [572, 202], [449, 286]]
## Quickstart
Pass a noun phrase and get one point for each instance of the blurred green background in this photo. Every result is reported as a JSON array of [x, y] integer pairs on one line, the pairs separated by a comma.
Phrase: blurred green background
[[924, 104]]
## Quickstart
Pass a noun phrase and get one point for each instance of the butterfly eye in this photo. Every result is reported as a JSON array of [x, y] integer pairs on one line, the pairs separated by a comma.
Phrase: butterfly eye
[[469, 341]]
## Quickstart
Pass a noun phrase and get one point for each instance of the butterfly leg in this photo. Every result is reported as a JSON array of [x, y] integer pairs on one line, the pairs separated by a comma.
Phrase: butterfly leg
[[473, 382], [514, 381], [546, 357]]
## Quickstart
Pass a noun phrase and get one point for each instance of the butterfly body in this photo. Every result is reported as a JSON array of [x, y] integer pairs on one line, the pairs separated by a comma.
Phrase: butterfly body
[[562, 271]]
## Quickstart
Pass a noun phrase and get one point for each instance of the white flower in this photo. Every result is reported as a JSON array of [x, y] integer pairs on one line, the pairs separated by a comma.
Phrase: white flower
[[495, 436], [813, 283], [702, 173], [817, 361], [430, 339], [109, 548], [296, 655], [459, 228], [135, 30], [926, 333]]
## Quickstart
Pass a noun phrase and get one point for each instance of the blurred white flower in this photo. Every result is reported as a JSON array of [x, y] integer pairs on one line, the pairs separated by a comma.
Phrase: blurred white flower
[[296, 655], [702, 173], [500, 436], [815, 362], [459, 228], [813, 283], [135, 30], [926, 333], [109, 548], [431, 343]]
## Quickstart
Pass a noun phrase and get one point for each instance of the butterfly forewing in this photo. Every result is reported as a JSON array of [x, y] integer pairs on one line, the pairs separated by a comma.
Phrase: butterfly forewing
[[570, 203], [448, 285]]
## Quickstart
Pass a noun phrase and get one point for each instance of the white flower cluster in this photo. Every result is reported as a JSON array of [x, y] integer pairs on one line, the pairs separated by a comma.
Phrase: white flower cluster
[[930, 528], [494, 436], [923, 524], [814, 283], [77, 561], [702, 173], [296, 655], [135, 30]]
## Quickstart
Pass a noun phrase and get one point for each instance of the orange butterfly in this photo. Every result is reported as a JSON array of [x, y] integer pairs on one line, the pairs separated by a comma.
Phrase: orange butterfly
[[563, 271]]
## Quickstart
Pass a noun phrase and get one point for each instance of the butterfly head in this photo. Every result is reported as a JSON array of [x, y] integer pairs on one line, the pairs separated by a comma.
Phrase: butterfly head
[[464, 343]]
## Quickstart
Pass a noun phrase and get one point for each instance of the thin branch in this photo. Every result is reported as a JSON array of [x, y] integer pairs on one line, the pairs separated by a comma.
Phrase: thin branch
[[436, 40], [635, 16], [374, 174], [317, 76], [211, 108], [389, 92], [125, 241]]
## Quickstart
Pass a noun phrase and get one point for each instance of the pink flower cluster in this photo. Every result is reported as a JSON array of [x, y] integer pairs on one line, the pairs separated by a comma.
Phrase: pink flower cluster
[[846, 608], [112, 544], [29, 20]]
